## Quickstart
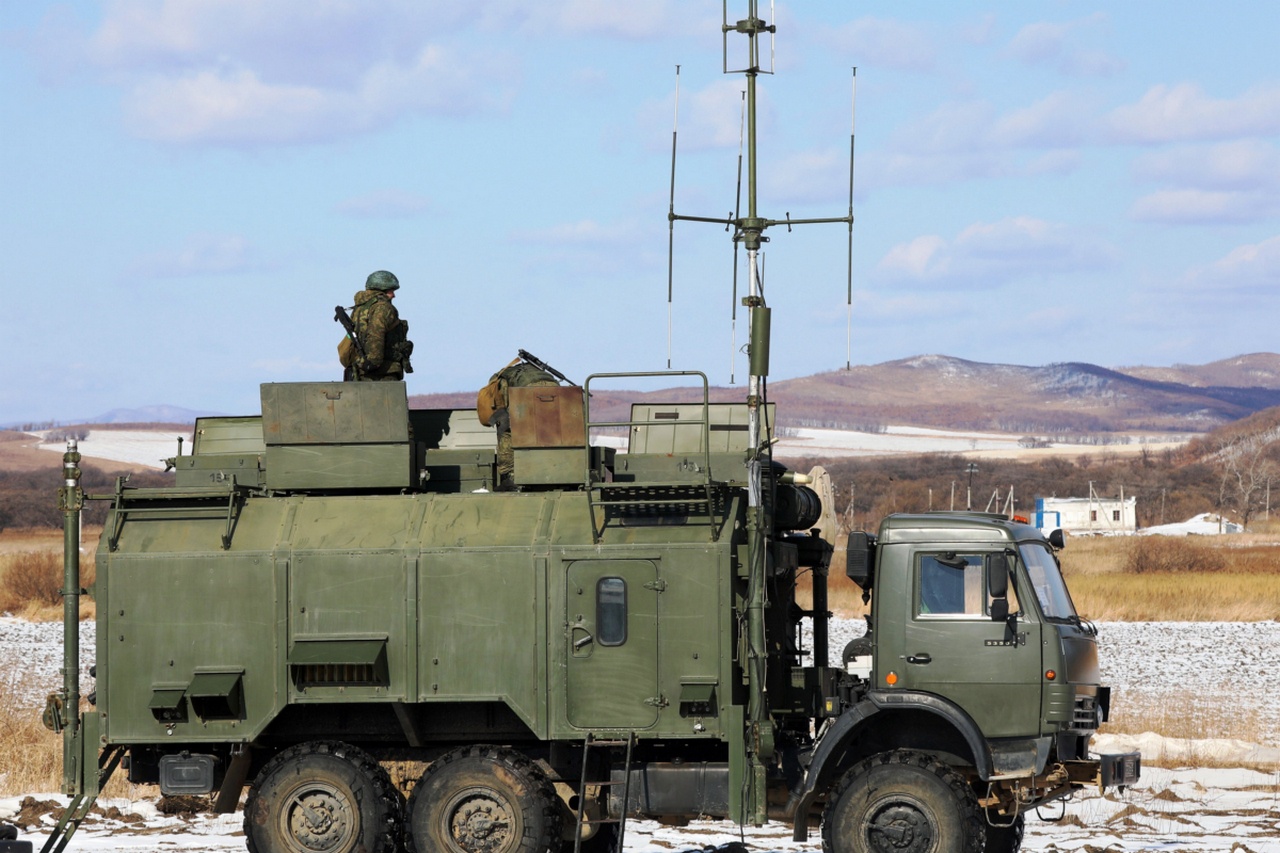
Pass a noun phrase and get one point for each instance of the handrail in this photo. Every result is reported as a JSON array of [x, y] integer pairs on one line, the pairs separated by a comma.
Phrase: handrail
[[592, 488]]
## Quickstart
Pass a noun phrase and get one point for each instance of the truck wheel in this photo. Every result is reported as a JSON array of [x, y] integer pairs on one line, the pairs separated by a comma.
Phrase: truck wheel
[[904, 802], [483, 799], [323, 797], [1006, 839]]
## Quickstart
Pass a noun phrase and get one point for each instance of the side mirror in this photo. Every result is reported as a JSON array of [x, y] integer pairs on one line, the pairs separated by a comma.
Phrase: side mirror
[[997, 568], [859, 559], [1057, 539]]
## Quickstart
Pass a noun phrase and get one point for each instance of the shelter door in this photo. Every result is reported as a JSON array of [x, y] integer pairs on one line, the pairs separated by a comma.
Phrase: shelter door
[[611, 639]]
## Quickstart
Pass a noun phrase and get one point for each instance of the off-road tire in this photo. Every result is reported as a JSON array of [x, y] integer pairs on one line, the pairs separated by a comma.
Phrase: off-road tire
[[484, 799], [1006, 839], [904, 802], [323, 797]]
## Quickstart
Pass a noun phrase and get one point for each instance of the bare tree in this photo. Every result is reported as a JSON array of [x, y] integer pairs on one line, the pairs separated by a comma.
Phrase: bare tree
[[1244, 467]]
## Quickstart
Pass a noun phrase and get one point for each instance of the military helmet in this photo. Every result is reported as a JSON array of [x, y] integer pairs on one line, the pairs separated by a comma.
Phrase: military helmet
[[381, 280]]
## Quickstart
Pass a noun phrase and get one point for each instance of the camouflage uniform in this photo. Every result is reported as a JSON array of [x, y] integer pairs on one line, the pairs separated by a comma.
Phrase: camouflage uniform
[[381, 331], [520, 375]]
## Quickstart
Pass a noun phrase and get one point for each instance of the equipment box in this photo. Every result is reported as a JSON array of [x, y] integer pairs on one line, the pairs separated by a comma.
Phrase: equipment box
[[549, 437], [337, 435]]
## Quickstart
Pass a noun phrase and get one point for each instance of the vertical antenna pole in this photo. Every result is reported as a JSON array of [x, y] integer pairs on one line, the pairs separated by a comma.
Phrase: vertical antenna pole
[[759, 521], [853, 118], [70, 501], [671, 214]]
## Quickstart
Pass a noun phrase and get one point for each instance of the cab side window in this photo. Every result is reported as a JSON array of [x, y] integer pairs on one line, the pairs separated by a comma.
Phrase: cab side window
[[954, 585]]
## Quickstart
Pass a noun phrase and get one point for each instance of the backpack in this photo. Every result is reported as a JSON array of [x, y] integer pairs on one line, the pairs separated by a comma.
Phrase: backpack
[[519, 374]]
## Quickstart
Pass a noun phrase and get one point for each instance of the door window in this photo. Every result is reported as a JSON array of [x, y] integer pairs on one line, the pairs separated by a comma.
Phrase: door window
[[611, 611], [953, 585]]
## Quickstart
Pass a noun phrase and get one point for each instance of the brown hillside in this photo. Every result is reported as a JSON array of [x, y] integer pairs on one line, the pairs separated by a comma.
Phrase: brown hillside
[[1256, 370]]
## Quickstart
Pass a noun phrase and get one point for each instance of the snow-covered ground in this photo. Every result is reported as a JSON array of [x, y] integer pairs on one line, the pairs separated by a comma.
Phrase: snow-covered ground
[[150, 448], [137, 447], [1204, 524], [828, 443], [1230, 668]]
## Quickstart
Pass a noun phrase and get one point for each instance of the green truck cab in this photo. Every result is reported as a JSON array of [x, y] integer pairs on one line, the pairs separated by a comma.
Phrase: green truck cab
[[978, 688], [331, 588]]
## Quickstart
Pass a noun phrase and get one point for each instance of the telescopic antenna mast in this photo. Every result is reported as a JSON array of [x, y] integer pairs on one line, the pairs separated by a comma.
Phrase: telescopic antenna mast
[[749, 232]]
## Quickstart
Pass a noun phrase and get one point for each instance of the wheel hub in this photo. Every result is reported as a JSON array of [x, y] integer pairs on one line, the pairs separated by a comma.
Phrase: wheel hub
[[481, 821], [320, 820], [901, 828]]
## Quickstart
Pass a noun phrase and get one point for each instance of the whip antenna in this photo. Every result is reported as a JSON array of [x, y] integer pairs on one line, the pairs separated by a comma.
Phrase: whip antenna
[[853, 117], [737, 208], [671, 213]]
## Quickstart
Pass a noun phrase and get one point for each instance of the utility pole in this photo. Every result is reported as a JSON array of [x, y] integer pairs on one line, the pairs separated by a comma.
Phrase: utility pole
[[968, 500]]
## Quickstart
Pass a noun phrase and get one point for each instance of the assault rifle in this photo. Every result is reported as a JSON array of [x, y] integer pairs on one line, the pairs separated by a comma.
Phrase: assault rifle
[[542, 365], [340, 315]]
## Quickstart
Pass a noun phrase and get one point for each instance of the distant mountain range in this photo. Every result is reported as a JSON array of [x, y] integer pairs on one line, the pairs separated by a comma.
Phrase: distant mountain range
[[945, 392], [150, 414], [141, 415]]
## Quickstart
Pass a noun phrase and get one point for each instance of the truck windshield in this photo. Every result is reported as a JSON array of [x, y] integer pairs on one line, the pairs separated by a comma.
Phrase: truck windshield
[[1046, 579]]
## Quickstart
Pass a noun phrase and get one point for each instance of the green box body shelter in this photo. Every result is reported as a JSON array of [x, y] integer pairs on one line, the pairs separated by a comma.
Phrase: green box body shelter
[[333, 586]]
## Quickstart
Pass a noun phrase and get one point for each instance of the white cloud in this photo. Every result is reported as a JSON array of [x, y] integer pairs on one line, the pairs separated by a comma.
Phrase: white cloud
[[244, 72], [990, 254], [1240, 165], [609, 19], [885, 43], [1058, 120], [710, 117], [240, 108], [1051, 44], [813, 175], [970, 140], [1228, 182], [1204, 207], [318, 42], [1248, 269], [1184, 112], [384, 204], [201, 254]]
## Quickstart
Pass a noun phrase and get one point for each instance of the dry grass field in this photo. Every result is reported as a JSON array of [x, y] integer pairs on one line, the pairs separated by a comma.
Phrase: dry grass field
[[31, 573], [1175, 579]]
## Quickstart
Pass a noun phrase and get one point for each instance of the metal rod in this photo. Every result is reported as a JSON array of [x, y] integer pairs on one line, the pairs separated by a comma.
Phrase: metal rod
[[737, 212], [853, 114], [671, 216]]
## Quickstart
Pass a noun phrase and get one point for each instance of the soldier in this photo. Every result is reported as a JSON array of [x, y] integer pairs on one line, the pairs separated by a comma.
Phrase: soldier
[[491, 407], [380, 331]]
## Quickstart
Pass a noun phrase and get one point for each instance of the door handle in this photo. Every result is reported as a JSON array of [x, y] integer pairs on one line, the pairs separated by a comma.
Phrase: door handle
[[919, 658], [580, 639]]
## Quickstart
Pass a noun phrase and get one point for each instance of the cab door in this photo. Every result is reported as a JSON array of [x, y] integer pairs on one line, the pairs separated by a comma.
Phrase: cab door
[[611, 637], [954, 649]]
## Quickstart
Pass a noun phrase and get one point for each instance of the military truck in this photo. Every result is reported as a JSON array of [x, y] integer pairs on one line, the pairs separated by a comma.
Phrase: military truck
[[331, 588]]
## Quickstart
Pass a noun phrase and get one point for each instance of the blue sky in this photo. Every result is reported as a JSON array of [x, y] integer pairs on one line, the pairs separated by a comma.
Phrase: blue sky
[[190, 186]]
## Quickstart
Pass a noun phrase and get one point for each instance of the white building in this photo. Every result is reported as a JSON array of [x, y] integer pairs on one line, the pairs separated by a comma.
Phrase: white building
[[1087, 515]]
